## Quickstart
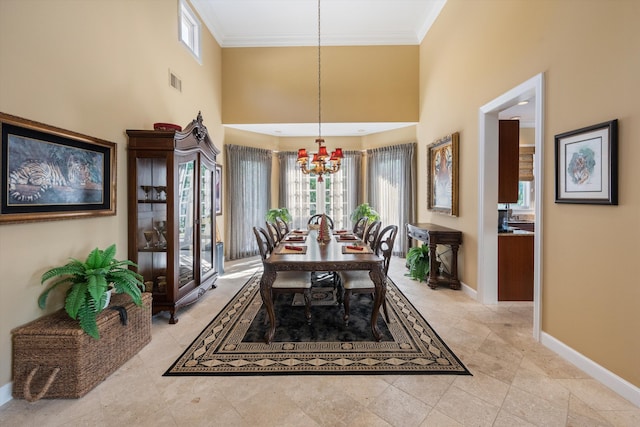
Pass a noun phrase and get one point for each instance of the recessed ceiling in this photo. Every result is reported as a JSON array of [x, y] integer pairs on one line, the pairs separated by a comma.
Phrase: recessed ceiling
[[328, 129], [279, 23]]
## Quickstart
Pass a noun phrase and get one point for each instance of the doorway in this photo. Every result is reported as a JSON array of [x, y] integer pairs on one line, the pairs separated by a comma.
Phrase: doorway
[[488, 192]]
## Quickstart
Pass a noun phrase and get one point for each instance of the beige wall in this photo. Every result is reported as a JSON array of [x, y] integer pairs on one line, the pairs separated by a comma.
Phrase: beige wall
[[95, 67], [101, 67], [527, 136], [359, 84], [588, 51], [251, 139]]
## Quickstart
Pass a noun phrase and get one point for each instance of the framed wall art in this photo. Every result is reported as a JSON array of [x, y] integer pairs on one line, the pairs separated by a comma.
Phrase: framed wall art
[[587, 165], [218, 190], [442, 164], [50, 173]]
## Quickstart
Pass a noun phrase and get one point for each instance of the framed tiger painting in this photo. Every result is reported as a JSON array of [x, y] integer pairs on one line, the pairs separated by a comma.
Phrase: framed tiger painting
[[442, 164], [50, 173]]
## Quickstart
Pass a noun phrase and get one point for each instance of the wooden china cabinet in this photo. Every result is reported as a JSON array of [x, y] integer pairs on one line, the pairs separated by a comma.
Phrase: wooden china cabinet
[[172, 220]]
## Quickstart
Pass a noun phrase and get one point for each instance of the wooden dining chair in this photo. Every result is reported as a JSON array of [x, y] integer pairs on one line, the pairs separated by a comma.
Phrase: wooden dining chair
[[359, 282], [360, 226], [283, 227], [315, 220], [291, 282], [274, 233], [371, 234]]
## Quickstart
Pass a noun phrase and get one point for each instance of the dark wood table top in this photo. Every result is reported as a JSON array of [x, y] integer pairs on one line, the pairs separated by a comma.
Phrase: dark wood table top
[[320, 257]]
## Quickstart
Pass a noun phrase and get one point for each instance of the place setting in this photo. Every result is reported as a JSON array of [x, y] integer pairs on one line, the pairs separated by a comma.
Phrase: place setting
[[295, 238], [356, 249], [346, 238], [290, 249]]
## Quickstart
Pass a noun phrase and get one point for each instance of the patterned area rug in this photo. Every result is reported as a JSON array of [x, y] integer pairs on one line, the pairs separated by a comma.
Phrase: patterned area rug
[[233, 343]]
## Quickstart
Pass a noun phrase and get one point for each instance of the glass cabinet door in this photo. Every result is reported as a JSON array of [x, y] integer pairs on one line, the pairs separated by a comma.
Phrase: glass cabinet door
[[152, 223], [207, 220], [186, 232]]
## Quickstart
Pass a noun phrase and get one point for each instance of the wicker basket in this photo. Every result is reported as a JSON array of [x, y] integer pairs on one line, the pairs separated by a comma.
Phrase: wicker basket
[[54, 358]]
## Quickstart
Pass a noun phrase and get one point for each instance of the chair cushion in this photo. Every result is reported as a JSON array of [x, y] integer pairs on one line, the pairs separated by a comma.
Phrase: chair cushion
[[292, 279], [356, 280]]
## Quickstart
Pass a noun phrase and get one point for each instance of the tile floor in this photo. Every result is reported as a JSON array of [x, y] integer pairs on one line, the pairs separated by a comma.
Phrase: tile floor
[[515, 382]]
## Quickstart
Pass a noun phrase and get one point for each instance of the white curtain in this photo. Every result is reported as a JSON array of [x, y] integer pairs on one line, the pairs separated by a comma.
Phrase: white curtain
[[248, 196], [391, 178], [294, 189], [352, 164]]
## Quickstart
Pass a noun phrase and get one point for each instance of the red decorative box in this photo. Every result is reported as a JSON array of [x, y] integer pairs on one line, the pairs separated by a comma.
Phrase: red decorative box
[[166, 126]]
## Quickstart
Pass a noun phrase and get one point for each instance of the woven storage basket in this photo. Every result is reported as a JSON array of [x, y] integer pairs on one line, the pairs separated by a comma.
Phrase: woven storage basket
[[59, 349]]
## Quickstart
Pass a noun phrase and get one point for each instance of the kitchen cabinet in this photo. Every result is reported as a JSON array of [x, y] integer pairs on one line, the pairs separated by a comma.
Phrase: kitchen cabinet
[[171, 213], [515, 266], [508, 160]]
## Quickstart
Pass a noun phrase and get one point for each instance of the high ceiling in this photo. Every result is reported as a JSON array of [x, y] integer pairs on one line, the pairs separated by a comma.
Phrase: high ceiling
[[262, 23]]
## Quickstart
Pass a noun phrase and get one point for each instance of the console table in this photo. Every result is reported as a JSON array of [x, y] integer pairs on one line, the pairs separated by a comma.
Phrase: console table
[[434, 235]]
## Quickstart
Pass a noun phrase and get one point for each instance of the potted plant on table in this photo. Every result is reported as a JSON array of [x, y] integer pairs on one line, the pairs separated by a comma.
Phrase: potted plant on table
[[90, 282], [275, 213], [365, 211]]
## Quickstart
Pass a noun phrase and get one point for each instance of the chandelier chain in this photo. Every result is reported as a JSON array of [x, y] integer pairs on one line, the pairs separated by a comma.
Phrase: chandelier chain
[[319, 80], [322, 162]]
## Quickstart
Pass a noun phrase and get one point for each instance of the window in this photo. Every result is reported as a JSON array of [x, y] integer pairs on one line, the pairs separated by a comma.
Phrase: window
[[309, 196], [328, 197], [525, 195], [526, 199], [189, 29], [337, 196]]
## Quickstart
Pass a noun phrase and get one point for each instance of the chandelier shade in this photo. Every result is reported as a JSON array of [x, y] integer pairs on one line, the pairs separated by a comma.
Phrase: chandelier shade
[[322, 162]]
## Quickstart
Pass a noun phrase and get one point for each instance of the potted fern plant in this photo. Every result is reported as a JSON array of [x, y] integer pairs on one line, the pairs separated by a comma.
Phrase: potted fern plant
[[90, 282], [364, 210], [418, 262]]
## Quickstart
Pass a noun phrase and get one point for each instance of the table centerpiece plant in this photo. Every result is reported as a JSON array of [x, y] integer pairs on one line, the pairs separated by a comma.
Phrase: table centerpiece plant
[[90, 282], [282, 213], [364, 210]]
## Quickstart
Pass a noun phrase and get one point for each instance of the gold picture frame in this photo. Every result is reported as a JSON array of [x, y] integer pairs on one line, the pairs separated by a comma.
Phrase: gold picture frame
[[50, 173], [442, 185]]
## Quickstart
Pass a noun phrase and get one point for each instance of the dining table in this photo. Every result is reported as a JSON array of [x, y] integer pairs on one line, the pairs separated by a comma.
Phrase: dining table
[[340, 253]]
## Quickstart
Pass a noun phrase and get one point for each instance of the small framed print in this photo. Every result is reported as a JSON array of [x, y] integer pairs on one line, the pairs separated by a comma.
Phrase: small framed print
[[587, 165]]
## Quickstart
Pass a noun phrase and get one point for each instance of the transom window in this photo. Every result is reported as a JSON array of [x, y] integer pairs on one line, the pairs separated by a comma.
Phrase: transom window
[[190, 29]]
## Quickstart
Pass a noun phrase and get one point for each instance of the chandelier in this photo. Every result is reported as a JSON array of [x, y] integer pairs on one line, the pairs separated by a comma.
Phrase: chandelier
[[321, 162]]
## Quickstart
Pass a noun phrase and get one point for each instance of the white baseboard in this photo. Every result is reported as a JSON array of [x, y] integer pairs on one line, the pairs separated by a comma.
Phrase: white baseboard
[[607, 378], [6, 393], [469, 291]]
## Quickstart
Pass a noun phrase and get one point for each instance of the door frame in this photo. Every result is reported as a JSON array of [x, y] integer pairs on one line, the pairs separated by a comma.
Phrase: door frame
[[488, 193]]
